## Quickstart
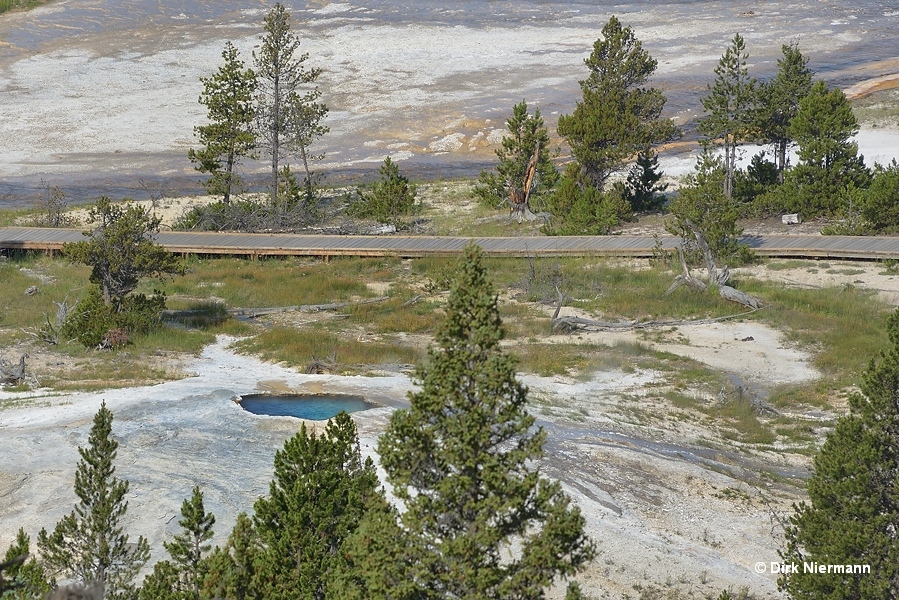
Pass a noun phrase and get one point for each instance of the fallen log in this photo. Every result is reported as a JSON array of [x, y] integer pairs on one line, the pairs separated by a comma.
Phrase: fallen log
[[570, 324], [252, 313]]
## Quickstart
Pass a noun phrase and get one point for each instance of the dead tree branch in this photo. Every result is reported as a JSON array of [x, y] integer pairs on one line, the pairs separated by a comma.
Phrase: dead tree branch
[[717, 277]]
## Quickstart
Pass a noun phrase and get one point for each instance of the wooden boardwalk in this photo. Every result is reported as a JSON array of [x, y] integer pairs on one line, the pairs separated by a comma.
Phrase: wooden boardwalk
[[259, 244]]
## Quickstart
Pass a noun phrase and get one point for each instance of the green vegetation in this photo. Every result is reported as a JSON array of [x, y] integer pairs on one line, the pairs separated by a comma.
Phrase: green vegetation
[[23, 577], [228, 98], [89, 545], [8, 5], [617, 119], [527, 137], [459, 462], [289, 114], [728, 107], [120, 252], [181, 577], [853, 506], [387, 200]]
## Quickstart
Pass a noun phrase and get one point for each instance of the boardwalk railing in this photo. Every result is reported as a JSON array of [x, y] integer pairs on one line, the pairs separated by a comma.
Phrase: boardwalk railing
[[280, 244]]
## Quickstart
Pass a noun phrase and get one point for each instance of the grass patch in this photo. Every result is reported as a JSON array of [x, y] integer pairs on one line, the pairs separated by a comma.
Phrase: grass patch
[[581, 360], [8, 5], [396, 315], [741, 422], [783, 265], [842, 326], [844, 271], [266, 283], [297, 347]]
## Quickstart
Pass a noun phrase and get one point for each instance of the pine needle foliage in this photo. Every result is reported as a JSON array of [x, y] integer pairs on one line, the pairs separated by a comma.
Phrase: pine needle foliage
[[321, 488], [619, 114], [182, 576], [527, 132], [89, 545], [477, 519], [730, 107], [229, 136], [24, 578], [852, 516]]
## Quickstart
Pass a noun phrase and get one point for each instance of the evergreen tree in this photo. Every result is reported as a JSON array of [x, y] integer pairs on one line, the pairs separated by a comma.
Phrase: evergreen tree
[[89, 545], [829, 162], [321, 488], [229, 136], [477, 519], [120, 249], [584, 210], [852, 516], [231, 572], [24, 578], [181, 578], [289, 118], [618, 116], [730, 108], [387, 200], [779, 102], [701, 201], [644, 190], [304, 128], [526, 133], [880, 208]]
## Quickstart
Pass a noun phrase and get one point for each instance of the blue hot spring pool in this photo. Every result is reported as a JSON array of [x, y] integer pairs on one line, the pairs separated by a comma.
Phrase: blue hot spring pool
[[303, 406]]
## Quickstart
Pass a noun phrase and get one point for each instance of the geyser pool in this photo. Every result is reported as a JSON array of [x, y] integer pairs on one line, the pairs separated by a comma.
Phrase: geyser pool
[[317, 407]]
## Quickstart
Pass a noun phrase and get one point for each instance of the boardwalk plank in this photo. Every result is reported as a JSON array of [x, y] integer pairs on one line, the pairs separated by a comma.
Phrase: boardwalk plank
[[872, 248]]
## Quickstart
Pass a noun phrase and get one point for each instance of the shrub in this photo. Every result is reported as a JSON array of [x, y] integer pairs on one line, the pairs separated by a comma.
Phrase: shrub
[[578, 208], [388, 199], [94, 324], [880, 207]]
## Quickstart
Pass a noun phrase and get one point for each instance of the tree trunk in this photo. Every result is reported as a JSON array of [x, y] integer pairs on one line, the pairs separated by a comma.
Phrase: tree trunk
[[229, 174], [308, 181], [276, 130], [781, 160], [730, 160]]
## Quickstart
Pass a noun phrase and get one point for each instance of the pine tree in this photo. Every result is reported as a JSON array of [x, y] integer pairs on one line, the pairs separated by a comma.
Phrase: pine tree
[[289, 118], [321, 488], [880, 207], [618, 116], [730, 108], [388, 199], [25, 577], [701, 201], [183, 575], [852, 516], [644, 190], [231, 572], [526, 133], [779, 102], [477, 519], [229, 136], [89, 545], [829, 162]]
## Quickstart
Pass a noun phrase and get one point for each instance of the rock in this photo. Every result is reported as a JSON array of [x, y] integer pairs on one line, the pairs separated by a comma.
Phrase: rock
[[793, 219], [31, 291]]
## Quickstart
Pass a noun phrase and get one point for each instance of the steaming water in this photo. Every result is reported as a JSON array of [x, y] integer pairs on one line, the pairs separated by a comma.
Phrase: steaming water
[[99, 93]]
